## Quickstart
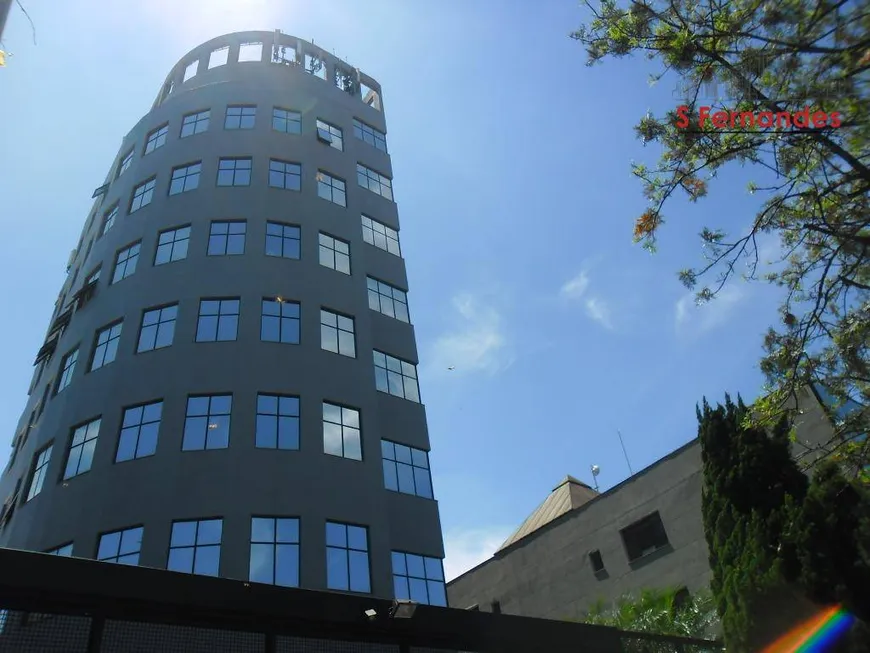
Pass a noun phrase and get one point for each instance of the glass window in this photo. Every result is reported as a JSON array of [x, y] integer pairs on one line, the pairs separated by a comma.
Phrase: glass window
[[286, 121], [195, 547], [644, 536], [63, 551], [337, 333], [279, 321], [185, 178], [240, 117], [286, 175], [109, 219], [172, 245], [126, 160], [396, 377], [195, 123], [275, 551], [67, 368], [283, 240], [40, 469], [347, 557], [330, 134], [156, 138], [218, 320], [139, 430], [142, 195], [341, 431], [122, 547], [380, 235], [81, 449], [277, 422], [370, 135], [234, 172], [331, 188], [419, 579], [406, 469], [334, 253], [158, 328], [125, 262], [106, 345], [374, 181], [387, 299], [207, 424], [227, 238]]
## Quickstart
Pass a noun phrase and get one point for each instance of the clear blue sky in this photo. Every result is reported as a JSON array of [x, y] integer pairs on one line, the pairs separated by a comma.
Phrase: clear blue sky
[[516, 201]]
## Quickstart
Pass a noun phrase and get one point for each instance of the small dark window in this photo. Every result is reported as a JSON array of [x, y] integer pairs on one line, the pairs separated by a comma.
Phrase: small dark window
[[496, 607], [596, 560], [644, 536]]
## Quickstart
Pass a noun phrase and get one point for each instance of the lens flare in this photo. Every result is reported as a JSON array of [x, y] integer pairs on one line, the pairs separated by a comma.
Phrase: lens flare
[[815, 635]]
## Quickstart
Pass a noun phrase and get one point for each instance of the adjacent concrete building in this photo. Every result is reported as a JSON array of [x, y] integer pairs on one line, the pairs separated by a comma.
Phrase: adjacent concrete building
[[580, 546], [228, 384]]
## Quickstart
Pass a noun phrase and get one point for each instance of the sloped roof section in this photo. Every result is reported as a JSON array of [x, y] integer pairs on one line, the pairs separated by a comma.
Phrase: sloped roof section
[[569, 495]]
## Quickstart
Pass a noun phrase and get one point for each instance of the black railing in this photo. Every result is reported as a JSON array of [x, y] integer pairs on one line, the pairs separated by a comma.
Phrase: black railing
[[54, 604]]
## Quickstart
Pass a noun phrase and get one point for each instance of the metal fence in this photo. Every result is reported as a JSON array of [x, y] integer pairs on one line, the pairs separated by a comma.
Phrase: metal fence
[[51, 604]]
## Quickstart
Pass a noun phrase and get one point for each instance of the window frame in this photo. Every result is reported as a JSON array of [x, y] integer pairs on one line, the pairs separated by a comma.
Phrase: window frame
[[409, 574], [276, 547], [337, 188], [157, 325], [139, 426], [241, 117], [268, 318], [208, 416], [218, 316], [235, 170], [335, 253], [172, 244], [652, 525], [106, 345], [82, 448], [278, 420], [225, 237], [116, 559], [283, 237], [359, 132], [387, 237], [382, 298], [342, 426], [196, 545], [329, 313], [285, 174], [152, 137], [38, 469], [374, 179], [195, 123], [287, 120], [326, 133], [189, 178], [152, 181], [122, 250], [391, 469], [347, 549], [387, 377]]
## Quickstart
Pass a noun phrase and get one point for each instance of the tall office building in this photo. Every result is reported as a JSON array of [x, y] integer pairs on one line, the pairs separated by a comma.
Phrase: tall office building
[[228, 385]]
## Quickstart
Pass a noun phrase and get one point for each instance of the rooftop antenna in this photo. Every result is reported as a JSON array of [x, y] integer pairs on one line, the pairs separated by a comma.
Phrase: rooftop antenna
[[625, 453], [595, 470]]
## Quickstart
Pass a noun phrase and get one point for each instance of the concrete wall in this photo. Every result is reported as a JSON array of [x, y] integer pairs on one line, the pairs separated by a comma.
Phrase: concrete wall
[[549, 575], [240, 481]]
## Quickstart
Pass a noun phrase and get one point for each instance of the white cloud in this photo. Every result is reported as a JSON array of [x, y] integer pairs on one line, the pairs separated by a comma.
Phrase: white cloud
[[477, 344], [698, 319], [576, 287], [467, 549], [598, 310]]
